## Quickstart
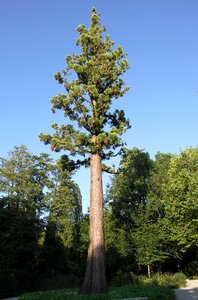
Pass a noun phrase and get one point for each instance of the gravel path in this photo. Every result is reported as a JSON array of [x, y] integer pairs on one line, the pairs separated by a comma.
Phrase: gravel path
[[190, 292]]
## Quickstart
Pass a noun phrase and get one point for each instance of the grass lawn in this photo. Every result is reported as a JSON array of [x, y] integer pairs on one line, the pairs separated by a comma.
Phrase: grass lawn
[[151, 291]]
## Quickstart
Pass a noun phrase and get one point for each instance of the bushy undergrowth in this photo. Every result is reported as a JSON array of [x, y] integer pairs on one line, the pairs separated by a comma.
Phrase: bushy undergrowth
[[170, 280], [150, 291]]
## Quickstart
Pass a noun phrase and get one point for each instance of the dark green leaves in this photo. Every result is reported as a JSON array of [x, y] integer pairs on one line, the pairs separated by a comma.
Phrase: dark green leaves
[[96, 81]]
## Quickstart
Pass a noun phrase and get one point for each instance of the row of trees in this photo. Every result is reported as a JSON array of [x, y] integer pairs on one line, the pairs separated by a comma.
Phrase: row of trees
[[155, 203], [40, 213], [150, 219]]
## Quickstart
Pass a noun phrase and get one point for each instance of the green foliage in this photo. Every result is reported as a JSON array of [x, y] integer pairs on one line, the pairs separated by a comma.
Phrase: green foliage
[[150, 238], [18, 252], [23, 177], [150, 234], [65, 205], [180, 198], [84, 240], [157, 182], [176, 280], [40, 213], [62, 236], [95, 82], [155, 204], [130, 187], [152, 292], [128, 191], [179, 280], [60, 256], [50, 252], [119, 251]]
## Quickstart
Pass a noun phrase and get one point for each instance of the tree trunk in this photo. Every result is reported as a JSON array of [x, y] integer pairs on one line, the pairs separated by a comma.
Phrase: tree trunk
[[149, 271], [159, 268], [94, 280]]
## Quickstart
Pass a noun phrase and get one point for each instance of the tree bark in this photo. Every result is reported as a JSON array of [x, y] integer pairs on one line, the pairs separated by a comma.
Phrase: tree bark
[[149, 271], [95, 280]]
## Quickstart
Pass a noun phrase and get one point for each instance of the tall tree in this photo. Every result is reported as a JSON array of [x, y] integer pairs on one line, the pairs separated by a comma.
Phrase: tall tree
[[95, 83]]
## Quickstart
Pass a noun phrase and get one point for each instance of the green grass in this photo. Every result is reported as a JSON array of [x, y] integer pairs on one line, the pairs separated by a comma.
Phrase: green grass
[[150, 291]]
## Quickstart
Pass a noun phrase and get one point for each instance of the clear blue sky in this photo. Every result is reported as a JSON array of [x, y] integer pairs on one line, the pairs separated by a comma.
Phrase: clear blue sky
[[161, 38]]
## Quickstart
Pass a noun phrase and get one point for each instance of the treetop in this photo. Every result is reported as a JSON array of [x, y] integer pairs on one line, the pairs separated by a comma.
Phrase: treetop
[[95, 82]]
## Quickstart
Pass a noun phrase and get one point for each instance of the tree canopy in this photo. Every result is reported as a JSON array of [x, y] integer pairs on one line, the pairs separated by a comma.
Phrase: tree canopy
[[180, 198], [95, 82]]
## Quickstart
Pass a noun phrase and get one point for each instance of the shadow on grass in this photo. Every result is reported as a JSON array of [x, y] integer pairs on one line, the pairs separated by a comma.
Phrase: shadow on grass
[[152, 292]]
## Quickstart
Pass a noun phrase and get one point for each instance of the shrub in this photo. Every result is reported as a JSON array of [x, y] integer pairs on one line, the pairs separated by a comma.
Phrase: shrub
[[179, 279], [170, 280], [151, 291]]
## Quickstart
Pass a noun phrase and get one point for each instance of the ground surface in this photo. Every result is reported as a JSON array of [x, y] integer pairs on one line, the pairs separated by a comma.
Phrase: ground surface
[[190, 292]]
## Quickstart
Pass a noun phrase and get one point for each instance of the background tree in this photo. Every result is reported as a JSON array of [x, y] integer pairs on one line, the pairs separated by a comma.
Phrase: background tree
[[120, 254], [158, 211], [62, 238], [130, 187], [40, 216], [19, 236], [23, 177], [95, 83], [23, 200], [127, 192], [158, 180], [150, 238], [66, 204], [180, 198], [135, 200]]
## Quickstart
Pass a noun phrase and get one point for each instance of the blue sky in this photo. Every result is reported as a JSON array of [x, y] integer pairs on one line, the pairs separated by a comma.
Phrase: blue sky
[[161, 38]]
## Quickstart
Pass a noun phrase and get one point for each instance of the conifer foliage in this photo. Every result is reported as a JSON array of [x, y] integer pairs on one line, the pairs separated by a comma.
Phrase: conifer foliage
[[96, 132]]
